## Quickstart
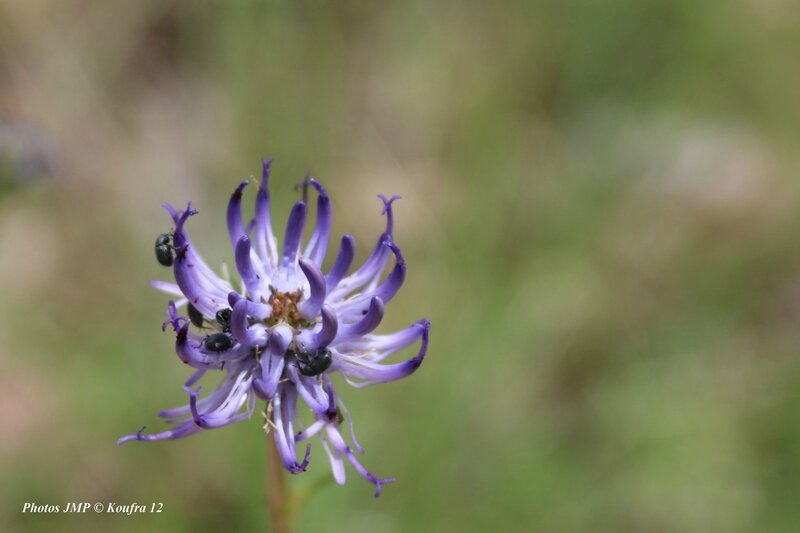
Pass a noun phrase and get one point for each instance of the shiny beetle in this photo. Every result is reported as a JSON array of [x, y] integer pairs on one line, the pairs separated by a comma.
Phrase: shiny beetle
[[195, 315], [224, 319], [219, 342], [165, 252], [314, 363]]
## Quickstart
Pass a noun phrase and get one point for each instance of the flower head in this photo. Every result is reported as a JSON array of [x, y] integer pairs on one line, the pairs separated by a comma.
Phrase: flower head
[[286, 330]]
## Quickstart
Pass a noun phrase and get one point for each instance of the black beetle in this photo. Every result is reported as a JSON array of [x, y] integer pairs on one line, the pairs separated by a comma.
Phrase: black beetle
[[219, 342], [224, 319], [314, 363], [165, 252], [195, 315]]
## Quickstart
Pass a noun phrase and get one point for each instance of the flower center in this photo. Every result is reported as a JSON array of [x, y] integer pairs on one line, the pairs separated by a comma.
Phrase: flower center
[[284, 309]]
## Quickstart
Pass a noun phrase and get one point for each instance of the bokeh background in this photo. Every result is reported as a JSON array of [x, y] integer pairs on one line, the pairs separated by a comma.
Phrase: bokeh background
[[600, 214]]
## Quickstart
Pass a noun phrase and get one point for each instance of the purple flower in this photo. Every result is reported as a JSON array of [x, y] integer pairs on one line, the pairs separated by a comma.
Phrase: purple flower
[[280, 332]]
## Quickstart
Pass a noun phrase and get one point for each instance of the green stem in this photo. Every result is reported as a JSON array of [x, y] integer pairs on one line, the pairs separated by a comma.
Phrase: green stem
[[277, 495]]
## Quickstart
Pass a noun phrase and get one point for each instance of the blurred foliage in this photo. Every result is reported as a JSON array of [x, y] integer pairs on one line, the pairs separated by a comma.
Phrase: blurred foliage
[[600, 212]]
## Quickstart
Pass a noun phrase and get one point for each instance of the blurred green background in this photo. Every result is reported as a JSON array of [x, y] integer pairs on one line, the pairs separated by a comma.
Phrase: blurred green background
[[601, 213]]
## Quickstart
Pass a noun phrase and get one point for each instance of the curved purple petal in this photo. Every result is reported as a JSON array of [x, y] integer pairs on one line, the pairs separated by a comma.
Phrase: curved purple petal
[[349, 418], [284, 432], [234, 215], [239, 325], [294, 232], [165, 286], [330, 326], [371, 268], [337, 463], [351, 309], [376, 348], [280, 339], [271, 371], [228, 412], [372, 373], [347, 251], [370, 321], [338, 443], [174, 319], [179, 432], [259, 311], [311, 306], [210, 402], [310, 390], [181, 240], [252, 281], [318, 244], [205, 297], [310, 431], [387, 210]]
